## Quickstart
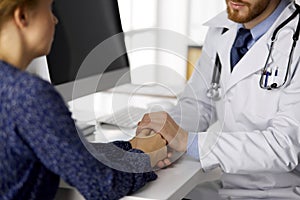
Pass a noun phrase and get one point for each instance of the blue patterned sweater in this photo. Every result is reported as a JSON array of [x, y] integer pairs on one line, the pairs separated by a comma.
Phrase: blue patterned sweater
[[39, 143]]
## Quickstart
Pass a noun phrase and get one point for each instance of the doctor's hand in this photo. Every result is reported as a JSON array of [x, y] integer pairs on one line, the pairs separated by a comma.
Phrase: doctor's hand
[[152, 144], [162, 123]]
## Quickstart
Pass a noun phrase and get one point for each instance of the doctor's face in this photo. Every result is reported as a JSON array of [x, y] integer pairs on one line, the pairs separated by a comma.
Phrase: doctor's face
[[243, 11]]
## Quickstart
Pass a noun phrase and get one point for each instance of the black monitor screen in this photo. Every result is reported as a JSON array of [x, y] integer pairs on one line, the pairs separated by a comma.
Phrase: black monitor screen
[[83, 24]]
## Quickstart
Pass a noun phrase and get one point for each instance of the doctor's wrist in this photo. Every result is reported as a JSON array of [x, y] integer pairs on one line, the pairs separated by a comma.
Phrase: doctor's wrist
[[179, 143], [193, 147]]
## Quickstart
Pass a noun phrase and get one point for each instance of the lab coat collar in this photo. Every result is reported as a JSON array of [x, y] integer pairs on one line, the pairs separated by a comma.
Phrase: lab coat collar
[[256, 55]]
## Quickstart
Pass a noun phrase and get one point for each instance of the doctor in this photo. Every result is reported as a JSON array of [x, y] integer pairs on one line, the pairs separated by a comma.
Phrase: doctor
[[240, 111]]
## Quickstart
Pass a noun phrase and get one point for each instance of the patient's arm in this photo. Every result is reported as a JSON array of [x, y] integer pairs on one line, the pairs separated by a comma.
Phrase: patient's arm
[[172, 155], [152, 144]]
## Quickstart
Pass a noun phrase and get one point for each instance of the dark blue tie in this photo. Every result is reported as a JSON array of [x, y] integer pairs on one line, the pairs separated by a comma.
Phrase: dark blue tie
[[239, 47]]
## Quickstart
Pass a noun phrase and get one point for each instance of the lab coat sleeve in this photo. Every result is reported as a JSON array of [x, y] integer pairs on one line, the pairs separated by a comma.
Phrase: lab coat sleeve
[[275, 149], [195, 112]]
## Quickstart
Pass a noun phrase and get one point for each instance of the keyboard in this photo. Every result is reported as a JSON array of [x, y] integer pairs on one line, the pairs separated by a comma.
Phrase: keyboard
[[85, 128], [126, 118]]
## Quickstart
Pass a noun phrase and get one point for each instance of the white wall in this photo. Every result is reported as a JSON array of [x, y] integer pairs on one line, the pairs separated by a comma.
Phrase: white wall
[[137, 15], [159, 55], [200, 12], [172, 15]]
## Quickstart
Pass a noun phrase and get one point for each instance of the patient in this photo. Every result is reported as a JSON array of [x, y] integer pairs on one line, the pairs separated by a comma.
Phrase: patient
[[38, 138]]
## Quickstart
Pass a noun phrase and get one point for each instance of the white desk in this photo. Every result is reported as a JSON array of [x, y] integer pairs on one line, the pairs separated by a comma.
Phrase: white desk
[[173, 182]]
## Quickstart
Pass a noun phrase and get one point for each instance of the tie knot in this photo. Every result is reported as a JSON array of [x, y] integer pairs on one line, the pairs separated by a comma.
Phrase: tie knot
[[242, 38], [239, 47]]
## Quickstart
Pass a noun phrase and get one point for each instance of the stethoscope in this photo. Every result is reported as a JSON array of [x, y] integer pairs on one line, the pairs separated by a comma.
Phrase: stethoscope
[[214, 91], [268, 77]]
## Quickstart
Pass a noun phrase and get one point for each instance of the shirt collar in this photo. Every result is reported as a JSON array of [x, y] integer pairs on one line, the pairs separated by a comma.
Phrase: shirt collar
[[264, 26]]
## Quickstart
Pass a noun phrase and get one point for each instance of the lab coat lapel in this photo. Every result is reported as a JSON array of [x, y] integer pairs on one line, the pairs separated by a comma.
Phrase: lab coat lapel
[[223, 50], [223, 43], [252, 62]]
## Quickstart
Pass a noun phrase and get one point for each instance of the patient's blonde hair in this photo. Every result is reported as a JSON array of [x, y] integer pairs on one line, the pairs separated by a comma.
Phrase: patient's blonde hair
[[7, 8]]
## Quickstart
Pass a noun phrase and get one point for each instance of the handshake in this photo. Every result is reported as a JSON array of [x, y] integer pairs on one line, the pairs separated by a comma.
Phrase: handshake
[[152, 144], [155, 131]]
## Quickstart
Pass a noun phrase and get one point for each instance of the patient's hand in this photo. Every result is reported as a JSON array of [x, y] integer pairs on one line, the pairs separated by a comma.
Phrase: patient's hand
[[152, 144]]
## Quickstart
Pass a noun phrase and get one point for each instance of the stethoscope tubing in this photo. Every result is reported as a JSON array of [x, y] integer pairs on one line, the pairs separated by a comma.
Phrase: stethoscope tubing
[[273, 39], [213, 91]]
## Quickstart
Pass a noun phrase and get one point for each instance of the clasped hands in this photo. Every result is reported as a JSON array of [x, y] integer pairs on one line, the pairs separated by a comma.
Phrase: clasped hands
[[155, 131]]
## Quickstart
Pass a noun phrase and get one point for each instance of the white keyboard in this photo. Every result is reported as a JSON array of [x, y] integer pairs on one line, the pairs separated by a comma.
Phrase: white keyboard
[[127, 117]]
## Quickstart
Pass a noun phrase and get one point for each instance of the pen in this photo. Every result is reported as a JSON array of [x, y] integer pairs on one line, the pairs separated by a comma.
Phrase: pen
[[268, 73], [276, 71]]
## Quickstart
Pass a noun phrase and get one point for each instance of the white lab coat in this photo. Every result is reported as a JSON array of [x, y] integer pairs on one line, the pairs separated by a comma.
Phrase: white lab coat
[[254, 134]]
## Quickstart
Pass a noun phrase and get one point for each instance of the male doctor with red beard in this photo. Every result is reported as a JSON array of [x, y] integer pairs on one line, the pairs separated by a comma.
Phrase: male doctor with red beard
[[240, 111]]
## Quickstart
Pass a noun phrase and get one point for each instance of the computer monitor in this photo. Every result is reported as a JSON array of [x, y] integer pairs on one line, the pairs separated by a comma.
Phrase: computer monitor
[[83, 26]]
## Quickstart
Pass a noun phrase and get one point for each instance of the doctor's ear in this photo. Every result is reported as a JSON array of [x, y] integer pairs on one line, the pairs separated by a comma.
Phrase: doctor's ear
[[21, 17]]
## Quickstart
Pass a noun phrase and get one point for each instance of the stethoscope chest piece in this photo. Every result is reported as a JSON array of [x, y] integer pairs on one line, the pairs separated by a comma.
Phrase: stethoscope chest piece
[[214, 92]]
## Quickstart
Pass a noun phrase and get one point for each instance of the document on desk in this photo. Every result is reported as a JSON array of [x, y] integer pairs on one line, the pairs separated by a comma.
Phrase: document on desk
[[153, 89]]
